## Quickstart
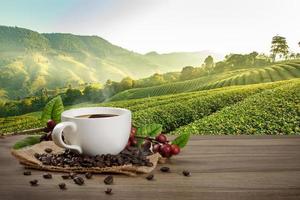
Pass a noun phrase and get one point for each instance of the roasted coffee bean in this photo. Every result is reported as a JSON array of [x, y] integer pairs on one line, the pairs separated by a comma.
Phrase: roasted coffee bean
[[67, 161], [88, 175], [37, 156], [165, 169], [34, 182], [62, 186], [27, 173], [47, 176], [65, 176], [150, 177], [78, 180], [149, 164], [108, 191], [100, 164], [109, 180], [48, 150], [73, 175], [186, 173], [120, 160]]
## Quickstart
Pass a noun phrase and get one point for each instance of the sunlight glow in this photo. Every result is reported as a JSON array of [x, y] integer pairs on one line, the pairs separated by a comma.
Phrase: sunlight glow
[[165, 25]]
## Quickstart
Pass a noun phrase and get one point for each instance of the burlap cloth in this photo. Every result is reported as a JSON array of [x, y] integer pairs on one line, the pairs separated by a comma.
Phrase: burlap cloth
[[26, 157]]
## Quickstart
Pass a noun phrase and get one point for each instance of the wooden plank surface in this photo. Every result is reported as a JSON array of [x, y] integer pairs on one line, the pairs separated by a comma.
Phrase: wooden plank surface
[[223, 167]]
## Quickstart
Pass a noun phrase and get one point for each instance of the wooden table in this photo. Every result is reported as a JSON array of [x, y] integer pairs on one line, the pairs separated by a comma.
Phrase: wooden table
[[223, 167]]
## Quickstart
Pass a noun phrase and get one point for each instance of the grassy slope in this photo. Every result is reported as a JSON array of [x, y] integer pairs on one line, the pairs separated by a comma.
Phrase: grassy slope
[[277, 72], [273, 111], [175, 111]]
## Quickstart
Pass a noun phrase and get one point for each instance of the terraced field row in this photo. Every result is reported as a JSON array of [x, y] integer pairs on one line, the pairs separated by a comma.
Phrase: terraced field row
[[180, 113], [282, 71], [274, 111], [19, 123], [268, 74], [172, 88]]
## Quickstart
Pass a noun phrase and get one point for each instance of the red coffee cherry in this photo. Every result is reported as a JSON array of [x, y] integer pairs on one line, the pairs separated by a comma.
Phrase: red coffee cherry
[[51, 124], [131, 138], [175, 149], [161, 138], [134, 142], [133, 131], [165, 150]]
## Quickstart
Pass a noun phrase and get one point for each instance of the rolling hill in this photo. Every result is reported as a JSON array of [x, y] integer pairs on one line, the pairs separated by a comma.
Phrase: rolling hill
[[252, 75], [265, 108], [34, 60]]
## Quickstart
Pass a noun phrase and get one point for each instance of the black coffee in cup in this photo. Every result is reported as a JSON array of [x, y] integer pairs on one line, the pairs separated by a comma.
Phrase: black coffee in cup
[[96, 116]]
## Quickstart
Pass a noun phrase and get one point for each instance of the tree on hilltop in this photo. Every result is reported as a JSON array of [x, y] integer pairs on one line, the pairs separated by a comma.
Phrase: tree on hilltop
[[209, 61], [188, 72], [126, 83], [279, 47]]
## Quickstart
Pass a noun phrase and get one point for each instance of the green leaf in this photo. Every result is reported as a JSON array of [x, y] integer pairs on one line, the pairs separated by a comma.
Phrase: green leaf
[[53, 110], [182, 140], [28, 141], [149, 130]]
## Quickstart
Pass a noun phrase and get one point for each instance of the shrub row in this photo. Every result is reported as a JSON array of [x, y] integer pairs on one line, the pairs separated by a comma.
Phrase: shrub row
[[18, 123], [171, 88], [180, 113], [274, 111]]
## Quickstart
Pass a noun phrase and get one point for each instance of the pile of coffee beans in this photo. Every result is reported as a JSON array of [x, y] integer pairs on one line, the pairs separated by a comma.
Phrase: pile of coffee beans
[[130, 155]]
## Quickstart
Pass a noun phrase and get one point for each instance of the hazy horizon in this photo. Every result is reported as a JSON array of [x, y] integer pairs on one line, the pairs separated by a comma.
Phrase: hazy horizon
[[142, 26]]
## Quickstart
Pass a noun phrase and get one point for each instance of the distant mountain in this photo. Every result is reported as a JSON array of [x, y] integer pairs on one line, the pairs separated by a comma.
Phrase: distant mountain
[[175, 59], [30, 61]]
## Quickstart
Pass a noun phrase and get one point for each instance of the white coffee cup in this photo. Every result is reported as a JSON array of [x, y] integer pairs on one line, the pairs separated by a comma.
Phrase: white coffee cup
[[93, 136]]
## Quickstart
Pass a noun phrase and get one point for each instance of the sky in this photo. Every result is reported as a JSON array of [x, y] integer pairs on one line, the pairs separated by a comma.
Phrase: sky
[[222, 26]]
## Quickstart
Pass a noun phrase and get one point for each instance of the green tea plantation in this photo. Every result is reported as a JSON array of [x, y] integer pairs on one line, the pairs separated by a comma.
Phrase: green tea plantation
[[273, 111], [265, 108], [277, 72]]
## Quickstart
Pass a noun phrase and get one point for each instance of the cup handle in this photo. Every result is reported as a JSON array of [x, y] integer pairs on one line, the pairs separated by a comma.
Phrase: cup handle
[[57, 135]]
